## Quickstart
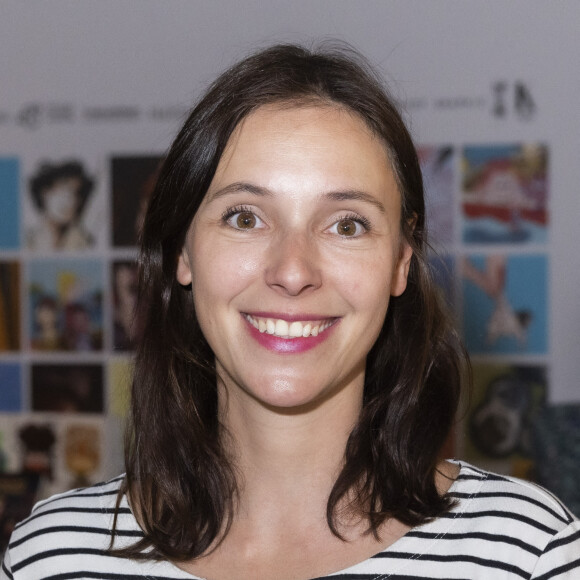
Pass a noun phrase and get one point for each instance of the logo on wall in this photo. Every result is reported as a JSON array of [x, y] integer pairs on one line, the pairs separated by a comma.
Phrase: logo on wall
[[513, 98]]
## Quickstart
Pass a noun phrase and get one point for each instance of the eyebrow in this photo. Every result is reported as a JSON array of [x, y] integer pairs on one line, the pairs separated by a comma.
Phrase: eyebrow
[[340, 195], [354, 194], [239, 187]]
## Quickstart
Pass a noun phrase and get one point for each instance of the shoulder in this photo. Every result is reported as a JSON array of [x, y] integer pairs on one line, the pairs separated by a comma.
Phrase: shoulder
[[68, 527], [508, 498], [509, 520], [99, 499]]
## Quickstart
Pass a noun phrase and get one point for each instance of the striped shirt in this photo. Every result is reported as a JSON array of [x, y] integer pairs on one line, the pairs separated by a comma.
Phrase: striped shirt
[[501, 528]]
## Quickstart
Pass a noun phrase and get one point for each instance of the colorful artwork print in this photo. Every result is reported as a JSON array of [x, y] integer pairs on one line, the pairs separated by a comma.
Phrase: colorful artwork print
[[65, 298], [59, 193], [437, 169], [506, 401], [505, 304], [9, 306], [67, 388], [9, 204], [505, 194], [133, 179]]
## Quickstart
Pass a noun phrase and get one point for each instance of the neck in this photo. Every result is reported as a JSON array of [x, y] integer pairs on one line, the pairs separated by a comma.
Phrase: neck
[[277, 449]]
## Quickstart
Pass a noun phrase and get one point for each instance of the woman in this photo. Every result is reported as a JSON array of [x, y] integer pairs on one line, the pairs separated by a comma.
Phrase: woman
[[296, 376], [60, 193]]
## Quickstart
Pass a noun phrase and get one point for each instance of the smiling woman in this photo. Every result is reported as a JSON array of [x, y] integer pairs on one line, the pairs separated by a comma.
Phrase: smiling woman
[[292, 247], [297, 374]]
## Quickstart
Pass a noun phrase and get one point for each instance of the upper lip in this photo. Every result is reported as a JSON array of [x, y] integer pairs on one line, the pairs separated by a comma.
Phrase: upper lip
[[291, 317]]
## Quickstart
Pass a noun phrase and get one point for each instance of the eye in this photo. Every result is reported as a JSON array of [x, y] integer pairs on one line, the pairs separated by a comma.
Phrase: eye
[[350, 226], [245, 220], [241, 218]]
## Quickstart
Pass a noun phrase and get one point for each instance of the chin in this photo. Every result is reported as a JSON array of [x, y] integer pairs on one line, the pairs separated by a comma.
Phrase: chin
[[286, 395], [294, 396]]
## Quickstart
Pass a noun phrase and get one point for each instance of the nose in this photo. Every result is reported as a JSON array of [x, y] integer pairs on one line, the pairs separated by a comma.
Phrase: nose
[[293, 267]]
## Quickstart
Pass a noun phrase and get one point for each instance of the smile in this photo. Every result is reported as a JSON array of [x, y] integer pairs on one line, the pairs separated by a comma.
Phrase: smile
[[289, 330]]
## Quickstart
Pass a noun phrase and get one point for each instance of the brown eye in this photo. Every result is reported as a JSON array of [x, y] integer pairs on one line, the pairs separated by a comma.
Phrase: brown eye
[[346, 227], [246, 220]]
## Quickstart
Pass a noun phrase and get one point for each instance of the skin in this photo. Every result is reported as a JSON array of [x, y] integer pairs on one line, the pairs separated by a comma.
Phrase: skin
[[60, 201], [270, 238]]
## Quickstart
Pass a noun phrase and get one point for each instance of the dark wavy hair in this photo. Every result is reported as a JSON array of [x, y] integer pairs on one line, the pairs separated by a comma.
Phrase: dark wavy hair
[[180, 480], [49, 174]]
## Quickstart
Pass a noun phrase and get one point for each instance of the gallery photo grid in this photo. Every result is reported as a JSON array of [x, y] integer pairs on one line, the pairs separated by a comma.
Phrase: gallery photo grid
[[68, 284]]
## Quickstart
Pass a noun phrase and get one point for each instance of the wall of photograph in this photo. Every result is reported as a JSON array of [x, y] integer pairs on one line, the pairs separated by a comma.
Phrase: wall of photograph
[[87, 111]]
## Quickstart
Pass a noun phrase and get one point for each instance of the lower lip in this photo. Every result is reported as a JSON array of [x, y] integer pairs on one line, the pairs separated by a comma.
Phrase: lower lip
[[289, 345]]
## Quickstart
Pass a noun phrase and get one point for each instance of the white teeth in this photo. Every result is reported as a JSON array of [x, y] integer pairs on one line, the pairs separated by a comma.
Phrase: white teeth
[[295, 329], [283, 329]]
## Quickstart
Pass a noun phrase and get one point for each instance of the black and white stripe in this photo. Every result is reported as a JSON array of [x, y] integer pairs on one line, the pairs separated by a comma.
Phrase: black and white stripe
[[501, 528]]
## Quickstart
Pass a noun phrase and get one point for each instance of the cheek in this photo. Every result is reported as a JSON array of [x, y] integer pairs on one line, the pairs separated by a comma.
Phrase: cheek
[[366, 283], [221, 272]]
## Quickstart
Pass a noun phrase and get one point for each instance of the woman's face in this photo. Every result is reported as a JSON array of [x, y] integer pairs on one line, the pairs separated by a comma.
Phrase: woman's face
[[61, 201], [294, 254]]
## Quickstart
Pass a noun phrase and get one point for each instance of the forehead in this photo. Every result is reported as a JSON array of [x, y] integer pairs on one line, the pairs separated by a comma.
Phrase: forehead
[[325, 144], [312, 120], [65, 182]]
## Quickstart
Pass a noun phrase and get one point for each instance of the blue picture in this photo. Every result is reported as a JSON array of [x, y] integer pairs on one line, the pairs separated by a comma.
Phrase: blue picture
[[9, 204], [10, 388], [505, 304]]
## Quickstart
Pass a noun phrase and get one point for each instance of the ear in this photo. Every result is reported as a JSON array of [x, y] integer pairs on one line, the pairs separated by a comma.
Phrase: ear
[[401, 271], [183, 273]]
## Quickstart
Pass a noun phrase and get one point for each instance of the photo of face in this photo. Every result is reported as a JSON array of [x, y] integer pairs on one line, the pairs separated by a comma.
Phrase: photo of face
[[60, 201], [133, 180], [124, 282], [294, 254], [60, 192]]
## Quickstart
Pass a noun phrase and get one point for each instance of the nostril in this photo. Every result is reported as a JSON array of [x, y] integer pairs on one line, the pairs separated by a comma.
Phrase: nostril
[[292, 265]]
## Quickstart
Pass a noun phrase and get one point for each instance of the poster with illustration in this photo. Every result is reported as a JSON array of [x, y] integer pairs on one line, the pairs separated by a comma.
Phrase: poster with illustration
[[437, 168], [67, 388], [28, 445], [498, 430], [124, 292], [9, 305], [9, 203], [132, 181], [59, 194], [505, 303], [505, 194], [61, 453], [82, 452], [66, 304]]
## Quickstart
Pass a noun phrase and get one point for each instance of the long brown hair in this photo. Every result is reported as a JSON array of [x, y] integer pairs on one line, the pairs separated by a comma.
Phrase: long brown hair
[[181, 482]]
